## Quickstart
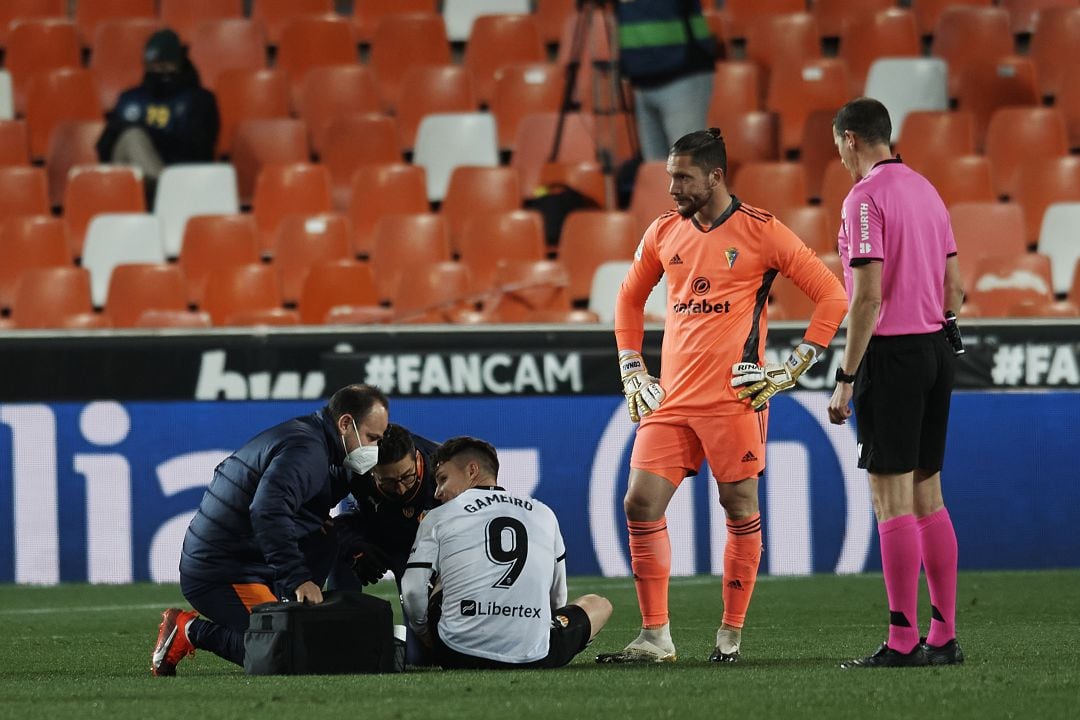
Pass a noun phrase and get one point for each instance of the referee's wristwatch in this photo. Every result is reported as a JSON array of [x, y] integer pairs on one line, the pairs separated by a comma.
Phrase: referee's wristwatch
[[843, 377]]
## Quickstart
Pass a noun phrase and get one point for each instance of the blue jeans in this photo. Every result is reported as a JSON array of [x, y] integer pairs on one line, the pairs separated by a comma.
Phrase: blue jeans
[[667, 112]]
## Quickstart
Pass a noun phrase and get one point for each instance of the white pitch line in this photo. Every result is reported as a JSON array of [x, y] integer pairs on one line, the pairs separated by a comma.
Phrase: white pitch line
[[91, 608]]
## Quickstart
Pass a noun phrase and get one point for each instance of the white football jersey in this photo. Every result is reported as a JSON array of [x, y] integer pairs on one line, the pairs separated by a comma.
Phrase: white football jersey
[[501, 562]]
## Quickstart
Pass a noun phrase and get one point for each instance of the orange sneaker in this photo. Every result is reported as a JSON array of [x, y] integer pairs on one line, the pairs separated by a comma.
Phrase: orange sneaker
[[172, 642]]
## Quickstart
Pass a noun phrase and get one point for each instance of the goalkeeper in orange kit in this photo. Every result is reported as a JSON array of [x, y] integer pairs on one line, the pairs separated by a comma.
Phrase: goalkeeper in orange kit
[[711, 400]]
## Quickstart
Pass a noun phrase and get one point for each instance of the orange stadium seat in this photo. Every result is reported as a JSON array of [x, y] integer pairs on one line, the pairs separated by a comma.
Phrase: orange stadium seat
[[985, 229], [405, 242], [1016, 134], [249, 95], [284, 189], [173, 319], [650, 197], [835, 17], [738, 87], [961, 178], [475, 191], [383, 189], [90, 14], [260, 143], [1068, 101], [834, 188], [817, 149], [330, 283], [781, 41], [987, 87], [235, 289], [796, 91], [929, 134], [551, 18], [740, 14], [313, 42], [498, 40], [71, 143], [37, 46], [525, 287], [520, 90], [275, 15], [116, 55], [23, 191], [367, 14], [487, 239], [402, 42], [26, 242], [928, 12], [49, 297], [1005, 281], [584, 177], [358, 315], [433, 89], [1042, 181], [771, 186], [185, 16], [867, 37], [355, 140], [1044, 309], [967, 36], [1054, 45], [752, 136], [590, 238], [1024, 14], [212, 241], [136, 288], [436, 293], [275, 316], [22, 10], [810, 223], [333, 92], [96, 189], [228, 44], [305, 240], [14, 143]]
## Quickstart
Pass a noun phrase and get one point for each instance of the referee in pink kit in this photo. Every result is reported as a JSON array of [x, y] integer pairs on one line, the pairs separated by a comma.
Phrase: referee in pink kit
[[903, 283]]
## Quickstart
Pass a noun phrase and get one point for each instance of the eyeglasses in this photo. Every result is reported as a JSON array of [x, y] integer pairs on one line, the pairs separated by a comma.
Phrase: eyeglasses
[[404, 481]]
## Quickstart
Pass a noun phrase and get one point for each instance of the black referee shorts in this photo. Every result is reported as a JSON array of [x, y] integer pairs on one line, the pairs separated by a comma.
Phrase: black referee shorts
[[570, 631], [901, 399]]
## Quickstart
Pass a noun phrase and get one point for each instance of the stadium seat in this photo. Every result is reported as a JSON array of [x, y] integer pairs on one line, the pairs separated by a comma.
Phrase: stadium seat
[[738, 87], [1054, 45], [275, 316], [355, 140], [404, 242], [358, 315], [186, 190], [23, 10], [26, 242], [968, 36], [379, 190], [583, 177], [71, 143], [1045, 309], [817, 149], [740, 14], [7, 96], [835, 17], [590, 238], [49, 297], [771, 186], [332, 92], [1041, 181], [235, 289], [330, 283], [260, 143], [834, 188], [795, 303], [811, 224], [985, 88], [475, 191], [436, 293], [651, 195], [1005, 281], [446, 140], [185, 16], [159, 319], [248, 95], [797, 90], [519, 90], [275, 15], [783, 41], [14, 143], [985, 229], [752, 136], [116, 239], [573, 316], [524, 287], [215, 241], [461, 15], [227, 44], [314, 42], [928, 12], [96, 189], [535, 137], [869, 37], [91, 14], [551, 18], [498, 40], [116, 57], [1024, 14], [605, 288], [908, 85], [137, 287], [286, 189], [301, 242], [1068, 101], [22, 192], [489, 238], [1059, 239], [927, 135], [961, 178], [367, 14], [433, 89], [38, 46], [1016, 134], [402, 42]]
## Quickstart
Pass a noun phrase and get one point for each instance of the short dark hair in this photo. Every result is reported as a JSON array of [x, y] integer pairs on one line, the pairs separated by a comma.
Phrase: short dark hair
[[706, 149], [473, 449], [396, 443], [867, 118], [356, 400]]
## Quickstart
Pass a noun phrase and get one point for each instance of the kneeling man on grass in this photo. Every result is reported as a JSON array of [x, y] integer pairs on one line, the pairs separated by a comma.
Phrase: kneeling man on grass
[[497, 563]]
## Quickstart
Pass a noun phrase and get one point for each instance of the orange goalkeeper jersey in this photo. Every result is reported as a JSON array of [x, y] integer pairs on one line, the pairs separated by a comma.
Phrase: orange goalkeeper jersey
[[718, 289]]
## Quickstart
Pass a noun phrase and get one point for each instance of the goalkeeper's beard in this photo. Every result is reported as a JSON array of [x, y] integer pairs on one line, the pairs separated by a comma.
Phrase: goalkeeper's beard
[[694, 204]]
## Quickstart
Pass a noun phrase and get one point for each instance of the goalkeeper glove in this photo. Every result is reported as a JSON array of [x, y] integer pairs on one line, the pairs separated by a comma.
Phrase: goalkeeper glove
[[764, 382], [643, 392], [369, 563]]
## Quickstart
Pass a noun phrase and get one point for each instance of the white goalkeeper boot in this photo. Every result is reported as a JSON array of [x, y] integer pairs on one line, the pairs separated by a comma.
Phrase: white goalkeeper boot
[[727, 646], [652, 645]]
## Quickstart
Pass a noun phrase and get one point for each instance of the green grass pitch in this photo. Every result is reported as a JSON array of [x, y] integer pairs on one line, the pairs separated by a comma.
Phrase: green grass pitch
[[82, 651]]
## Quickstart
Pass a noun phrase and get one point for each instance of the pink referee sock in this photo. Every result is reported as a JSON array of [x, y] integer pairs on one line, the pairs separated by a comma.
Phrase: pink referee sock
[[938, 541], [900, 564]]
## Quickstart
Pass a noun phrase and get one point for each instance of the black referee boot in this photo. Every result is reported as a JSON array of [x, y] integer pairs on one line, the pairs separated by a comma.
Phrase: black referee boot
[[887, 657], [948, 654]]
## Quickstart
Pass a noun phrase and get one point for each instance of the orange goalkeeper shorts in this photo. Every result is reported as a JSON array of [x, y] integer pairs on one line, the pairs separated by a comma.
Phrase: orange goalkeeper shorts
[[734, 445]]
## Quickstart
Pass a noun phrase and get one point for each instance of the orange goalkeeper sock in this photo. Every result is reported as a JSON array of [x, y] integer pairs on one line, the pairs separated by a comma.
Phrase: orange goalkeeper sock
[[742, 555], [650, 559]]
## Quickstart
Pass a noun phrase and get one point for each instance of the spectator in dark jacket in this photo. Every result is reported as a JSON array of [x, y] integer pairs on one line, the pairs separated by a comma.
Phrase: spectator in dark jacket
[[261, 530]]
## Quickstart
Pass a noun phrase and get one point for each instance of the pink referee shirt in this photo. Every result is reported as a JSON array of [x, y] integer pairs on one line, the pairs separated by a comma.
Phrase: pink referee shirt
[[896, 217]]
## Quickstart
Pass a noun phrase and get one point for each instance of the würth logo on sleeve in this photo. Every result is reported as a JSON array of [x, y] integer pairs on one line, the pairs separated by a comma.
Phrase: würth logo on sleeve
[[864, 228]]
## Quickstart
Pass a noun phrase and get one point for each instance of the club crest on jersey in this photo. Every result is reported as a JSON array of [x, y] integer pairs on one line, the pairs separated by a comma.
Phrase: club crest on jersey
[[731, 254]]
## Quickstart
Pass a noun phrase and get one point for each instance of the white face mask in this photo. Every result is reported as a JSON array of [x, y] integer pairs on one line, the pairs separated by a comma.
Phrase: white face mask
[[363, 458]]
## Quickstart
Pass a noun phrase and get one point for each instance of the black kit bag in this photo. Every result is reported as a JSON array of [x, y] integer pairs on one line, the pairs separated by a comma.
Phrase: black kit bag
[[348, 632]]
